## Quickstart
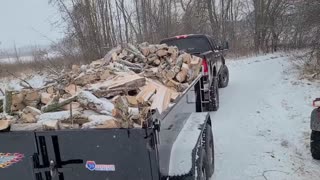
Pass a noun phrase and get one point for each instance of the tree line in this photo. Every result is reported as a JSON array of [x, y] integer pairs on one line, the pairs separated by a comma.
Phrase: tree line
[[250, 26]]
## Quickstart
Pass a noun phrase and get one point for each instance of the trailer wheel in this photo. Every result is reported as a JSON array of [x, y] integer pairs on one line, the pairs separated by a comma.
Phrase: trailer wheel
[[224, 77], [201, 166], [209, 148], [315, 145], [214, 96]]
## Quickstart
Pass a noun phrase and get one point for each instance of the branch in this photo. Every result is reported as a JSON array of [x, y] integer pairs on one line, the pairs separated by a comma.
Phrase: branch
[[20, 79]]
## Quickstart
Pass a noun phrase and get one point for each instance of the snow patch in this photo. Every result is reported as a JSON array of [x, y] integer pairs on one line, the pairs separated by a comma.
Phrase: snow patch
[[181, 154]]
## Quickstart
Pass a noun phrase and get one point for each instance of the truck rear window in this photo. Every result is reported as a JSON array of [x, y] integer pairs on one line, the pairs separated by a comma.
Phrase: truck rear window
[[191, 45]]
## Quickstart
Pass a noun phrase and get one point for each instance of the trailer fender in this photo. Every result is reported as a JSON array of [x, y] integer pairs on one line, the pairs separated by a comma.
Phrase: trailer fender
[[183, 152], [315, 120]]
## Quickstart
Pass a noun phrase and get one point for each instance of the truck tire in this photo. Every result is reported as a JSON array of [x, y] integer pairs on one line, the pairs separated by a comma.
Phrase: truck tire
[[201, 166], [213, 104], [224, 77], [315, 145], [209, 148]]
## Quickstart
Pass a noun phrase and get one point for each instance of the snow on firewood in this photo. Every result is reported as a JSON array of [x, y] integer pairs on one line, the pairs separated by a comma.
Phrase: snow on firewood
[[119, 90]]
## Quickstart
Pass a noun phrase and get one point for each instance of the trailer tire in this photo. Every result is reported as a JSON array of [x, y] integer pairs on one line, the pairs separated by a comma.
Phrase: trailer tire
[[315, 145], [213, 104], [209, 148], [201, 166], [224, 77]]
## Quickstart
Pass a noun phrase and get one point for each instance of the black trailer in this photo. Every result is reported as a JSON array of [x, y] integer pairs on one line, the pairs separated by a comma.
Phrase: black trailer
[[178, 144]]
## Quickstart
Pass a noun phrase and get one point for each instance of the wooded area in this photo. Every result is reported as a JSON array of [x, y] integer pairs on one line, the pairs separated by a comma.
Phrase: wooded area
[[250, 26]]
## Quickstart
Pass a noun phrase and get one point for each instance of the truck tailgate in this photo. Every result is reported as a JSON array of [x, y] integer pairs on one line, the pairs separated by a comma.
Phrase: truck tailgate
[[81, 155]]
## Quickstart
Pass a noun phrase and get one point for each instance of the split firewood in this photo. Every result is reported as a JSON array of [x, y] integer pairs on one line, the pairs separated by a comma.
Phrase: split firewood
[[182, 75], [51, 125], [65, 117], [111, 124], [84, 79], [50, 90], [32, 98], [162, 52], [26, 127], [46, 98], [30, 115], [96, 120], [72, 89], [104, 75], [57, 105], [152, 49], [135, 51], [66, 126], [4, 125], [17, 101], [161, 100], [145, 51], [90, 101], [146, 93], [132, 100], [108, 57]]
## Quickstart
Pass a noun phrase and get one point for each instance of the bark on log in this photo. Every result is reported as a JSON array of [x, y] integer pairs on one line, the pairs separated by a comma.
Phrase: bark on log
[[87, 99], [8, 102], [57, 105]]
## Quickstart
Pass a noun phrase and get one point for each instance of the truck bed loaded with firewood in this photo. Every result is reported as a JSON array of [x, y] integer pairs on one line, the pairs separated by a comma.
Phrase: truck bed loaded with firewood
[[138, 113]]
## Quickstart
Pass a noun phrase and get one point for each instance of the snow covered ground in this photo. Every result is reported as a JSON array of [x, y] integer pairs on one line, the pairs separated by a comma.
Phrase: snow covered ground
[[262, 127]]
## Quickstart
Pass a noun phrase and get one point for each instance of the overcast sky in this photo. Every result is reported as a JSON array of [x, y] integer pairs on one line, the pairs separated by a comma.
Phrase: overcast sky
[[24, 22]]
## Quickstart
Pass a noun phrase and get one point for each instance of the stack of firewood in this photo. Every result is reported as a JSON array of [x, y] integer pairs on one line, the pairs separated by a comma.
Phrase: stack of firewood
[[119, 91]]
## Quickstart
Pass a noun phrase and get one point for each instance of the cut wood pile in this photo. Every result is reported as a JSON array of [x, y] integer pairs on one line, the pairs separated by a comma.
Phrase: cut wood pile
[[119, 91]]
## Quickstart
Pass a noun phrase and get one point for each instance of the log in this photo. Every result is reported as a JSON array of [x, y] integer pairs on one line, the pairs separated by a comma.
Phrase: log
[[104, 75], [90, 101], [27, 127], [4, 125], [108, 57], [17, 101], [72, 89], [46, 98], [1, 105], [135, 51], [161, 100], [132, 100], [65, 126], [51, 125], [32, 98], [145, 51], [152, 49], [96, 120], [182, 75], [162, 53], [84, 79], [111, 124], [57, 105], [146, 93], [128, 81], [30, 115], [8, 102]]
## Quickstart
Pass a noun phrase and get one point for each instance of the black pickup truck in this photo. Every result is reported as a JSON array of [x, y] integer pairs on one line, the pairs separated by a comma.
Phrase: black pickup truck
[[215, 72], [177, 144]]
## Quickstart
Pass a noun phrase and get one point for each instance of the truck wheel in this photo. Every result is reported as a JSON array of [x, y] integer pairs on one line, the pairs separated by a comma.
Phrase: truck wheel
[[224, 77], [315, 145], [214, 96], [209, 147], [201, 166]]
